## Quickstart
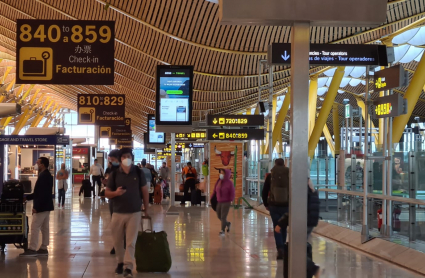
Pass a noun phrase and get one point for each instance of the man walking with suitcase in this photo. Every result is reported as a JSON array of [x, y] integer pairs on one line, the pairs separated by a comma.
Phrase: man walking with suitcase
[[42, 205], [126, 187]]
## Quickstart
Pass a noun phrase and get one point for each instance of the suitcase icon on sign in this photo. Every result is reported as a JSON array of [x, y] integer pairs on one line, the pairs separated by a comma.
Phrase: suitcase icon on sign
[[87, 115], [34, 67], [105, 132]]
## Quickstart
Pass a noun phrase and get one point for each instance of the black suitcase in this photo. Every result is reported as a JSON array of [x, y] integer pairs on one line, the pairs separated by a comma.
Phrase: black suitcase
[[27, 186], [196, 197], [87, 188], [13, 192]]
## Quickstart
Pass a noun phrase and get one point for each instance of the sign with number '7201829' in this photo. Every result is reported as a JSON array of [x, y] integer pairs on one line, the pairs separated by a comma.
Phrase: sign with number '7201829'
[[73, 52]]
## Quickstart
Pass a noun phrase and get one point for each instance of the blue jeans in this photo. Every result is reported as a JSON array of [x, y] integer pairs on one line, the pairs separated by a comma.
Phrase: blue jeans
[[276, 213], [61, 194]]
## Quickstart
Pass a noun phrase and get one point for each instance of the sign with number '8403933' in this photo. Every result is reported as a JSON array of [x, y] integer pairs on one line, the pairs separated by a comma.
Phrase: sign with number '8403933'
[[73, 52]]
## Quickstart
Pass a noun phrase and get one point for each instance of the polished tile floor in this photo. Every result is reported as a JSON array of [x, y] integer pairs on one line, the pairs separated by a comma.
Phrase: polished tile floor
[[80, 241]]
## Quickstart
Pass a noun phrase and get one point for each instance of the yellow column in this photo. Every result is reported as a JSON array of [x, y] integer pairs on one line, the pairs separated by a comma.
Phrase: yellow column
[[324, 112], [312, 103], [328, 137], [5, 121], [274, 104], [8, 69], [337, 134], [412, 95], [277, 131], [361, 104], [25, 117], [248, 111], [39, 117]]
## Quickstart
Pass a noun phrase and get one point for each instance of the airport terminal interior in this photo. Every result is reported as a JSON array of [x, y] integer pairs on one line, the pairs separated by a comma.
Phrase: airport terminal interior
[[212, 138]]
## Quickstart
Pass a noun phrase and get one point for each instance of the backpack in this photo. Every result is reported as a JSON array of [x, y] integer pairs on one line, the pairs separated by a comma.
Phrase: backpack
[[279, 188]]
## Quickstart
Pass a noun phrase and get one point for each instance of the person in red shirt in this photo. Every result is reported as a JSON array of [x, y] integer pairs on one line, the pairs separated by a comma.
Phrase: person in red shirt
[[190, 173]]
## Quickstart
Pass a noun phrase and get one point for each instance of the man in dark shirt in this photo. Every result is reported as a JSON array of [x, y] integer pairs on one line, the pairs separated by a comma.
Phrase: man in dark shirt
[[125, 187], [42, 205]]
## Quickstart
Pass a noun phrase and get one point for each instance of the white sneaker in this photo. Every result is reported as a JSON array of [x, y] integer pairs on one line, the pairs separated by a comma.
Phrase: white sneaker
[[221, 233]]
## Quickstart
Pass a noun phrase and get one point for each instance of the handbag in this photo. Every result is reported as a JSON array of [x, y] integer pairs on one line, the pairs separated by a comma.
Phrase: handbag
[[214, 202]]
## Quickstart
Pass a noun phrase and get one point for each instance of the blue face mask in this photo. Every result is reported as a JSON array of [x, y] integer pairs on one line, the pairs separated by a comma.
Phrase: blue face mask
[[115, 164]]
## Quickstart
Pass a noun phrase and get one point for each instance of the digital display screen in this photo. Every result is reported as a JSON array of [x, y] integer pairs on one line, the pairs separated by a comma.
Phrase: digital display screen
[[153, 136], [174, 95]]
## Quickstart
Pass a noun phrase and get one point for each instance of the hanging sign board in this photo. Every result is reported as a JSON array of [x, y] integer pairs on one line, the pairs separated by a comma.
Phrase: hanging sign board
[[389, 106], [235, 120], [127, 141], [332, 54], [173, 98], [153, 136], [390, 78], [95, 109], [34, 139], [115, 132], [146, 149], [127, 122], [71, 52], [195, 145], [235, 134], [178, 147], [347, 111], [191, 136]]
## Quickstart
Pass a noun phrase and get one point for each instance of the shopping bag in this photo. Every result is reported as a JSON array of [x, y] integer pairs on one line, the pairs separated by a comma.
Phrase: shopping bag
[[152, 250]]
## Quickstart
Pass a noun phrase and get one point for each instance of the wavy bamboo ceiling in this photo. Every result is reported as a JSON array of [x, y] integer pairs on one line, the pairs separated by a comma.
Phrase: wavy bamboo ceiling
[[185, 32]]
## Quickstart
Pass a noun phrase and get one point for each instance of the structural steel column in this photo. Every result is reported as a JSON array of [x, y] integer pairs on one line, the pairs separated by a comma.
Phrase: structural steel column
[[7, 120], [324, 112], [274, 104], [412, 95], [312, 103], [300, 47], [8, 69], [337, 130], [248, 111], [9, 87], [277, 130], [38, 118]]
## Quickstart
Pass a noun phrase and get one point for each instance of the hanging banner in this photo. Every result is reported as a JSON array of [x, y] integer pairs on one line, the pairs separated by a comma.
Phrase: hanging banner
[[226, 155], [95, 109], [71, 52]]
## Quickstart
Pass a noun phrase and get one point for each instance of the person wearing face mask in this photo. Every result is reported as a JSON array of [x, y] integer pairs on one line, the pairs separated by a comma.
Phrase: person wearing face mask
[[42, 205], [126, 187], [225, 193]]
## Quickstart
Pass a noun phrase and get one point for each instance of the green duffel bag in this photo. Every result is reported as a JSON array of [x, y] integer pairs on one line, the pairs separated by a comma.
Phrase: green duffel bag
[[152, 251]]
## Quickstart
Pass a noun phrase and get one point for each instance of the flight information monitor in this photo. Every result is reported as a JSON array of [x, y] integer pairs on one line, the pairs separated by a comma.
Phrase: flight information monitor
[[174, 95], [153, 136]]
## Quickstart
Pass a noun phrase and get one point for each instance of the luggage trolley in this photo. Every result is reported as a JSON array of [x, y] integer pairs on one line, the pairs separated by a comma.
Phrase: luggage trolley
[[13, 219]]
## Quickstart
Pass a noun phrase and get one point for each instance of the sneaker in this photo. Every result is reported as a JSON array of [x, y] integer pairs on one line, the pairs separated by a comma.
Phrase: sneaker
[[29, 253], [120, 268], [221, 233], [228, 226], [128, 273], [112, 251], [42, 252]]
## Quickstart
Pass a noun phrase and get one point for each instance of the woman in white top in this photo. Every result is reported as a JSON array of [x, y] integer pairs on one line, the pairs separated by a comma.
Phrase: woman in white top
[[62, 177]]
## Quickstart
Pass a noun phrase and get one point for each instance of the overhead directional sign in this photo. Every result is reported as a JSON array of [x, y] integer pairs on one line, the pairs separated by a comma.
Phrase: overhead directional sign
[[390, 106], [73, 52], [195, 145], [178, 147], [191, 136], [95, 109], [390, 78], [115, 132], [235, 134], [235, 120], [332, 54]]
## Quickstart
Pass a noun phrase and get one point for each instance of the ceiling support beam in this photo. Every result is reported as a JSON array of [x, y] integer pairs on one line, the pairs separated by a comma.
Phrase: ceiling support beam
[[312, 103], [40, 115], [337, 130], [412, 95], [8, 69], [28, 111], [5, 121], [324, 112], [361, 104], [328, 137], [274, 104], [280, 120]]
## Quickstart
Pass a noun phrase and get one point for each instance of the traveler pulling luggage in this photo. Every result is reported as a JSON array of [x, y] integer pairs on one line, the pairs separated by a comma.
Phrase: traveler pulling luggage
[[86, 188], [152, 250], [196, 197]]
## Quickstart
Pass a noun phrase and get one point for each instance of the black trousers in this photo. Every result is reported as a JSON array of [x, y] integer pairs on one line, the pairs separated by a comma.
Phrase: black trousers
[[99, 184], [190, 183]]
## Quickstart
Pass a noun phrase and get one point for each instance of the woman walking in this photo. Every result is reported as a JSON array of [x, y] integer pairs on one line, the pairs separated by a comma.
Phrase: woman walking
[[224, 191]]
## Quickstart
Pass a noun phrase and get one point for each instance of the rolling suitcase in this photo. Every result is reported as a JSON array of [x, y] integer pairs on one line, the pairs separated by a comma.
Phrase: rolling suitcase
[[87, 188], [157, 199], [152, 250], [196, 197]]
